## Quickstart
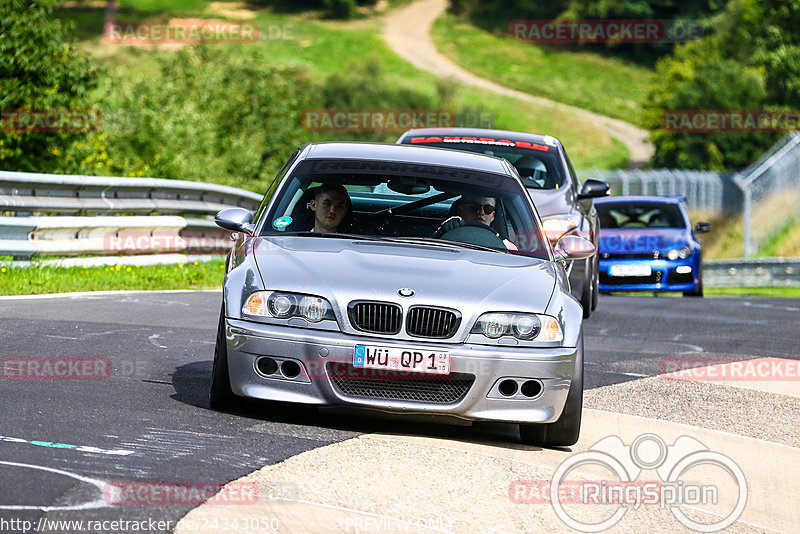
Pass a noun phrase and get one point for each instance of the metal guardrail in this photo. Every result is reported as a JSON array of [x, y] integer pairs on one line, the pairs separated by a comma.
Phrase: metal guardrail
[[752, 272], [66, 196], [108, 235], [71, 194]]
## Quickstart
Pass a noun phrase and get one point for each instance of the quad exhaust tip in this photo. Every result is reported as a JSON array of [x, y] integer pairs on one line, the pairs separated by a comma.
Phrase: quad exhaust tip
[[531, 388], [508, 388], [290, 369], [267, 366]]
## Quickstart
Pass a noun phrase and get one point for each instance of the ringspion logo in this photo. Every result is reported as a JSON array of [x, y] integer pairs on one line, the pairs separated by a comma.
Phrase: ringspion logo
[[676, 487]]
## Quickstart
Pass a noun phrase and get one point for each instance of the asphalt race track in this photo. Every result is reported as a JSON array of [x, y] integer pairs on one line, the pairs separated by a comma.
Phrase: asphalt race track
[[62, 441]]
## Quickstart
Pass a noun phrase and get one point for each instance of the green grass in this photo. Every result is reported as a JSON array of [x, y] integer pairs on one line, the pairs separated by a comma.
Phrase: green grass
[[771, 292], [587, 80], [52, 279], [783, 242], [734, 292], [325, 47]]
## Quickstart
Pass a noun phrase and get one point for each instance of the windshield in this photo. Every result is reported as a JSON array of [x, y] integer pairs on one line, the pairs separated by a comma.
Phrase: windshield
[[406, 202], [538, 167], [639, 215]]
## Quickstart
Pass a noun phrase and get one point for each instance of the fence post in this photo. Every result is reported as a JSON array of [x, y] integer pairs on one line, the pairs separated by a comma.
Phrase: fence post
[[747, 245]]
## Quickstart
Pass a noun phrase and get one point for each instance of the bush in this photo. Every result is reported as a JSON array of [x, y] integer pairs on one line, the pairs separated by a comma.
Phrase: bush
[[205, 115], [751, 62], [40, 69]]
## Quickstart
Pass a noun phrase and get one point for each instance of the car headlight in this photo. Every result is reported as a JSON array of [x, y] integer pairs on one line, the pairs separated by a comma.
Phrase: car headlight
[[281, 305], [555, 227], [522, 326], [682, 253]]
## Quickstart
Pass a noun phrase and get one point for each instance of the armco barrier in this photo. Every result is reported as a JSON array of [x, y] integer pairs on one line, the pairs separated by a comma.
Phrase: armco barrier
[[752, 272], [23, 237], [69, 194], [100, 231]]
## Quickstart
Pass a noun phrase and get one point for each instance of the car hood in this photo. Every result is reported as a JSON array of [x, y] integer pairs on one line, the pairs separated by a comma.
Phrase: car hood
[[551, 202], [343, 270], [640, 240]]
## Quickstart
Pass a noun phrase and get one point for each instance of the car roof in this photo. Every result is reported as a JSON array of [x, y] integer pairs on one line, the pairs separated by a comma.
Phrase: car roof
[[408, 154], [674, 199], [486, 132]]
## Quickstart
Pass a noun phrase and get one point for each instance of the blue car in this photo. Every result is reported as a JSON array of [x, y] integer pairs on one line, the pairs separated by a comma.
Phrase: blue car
[[648, 244]]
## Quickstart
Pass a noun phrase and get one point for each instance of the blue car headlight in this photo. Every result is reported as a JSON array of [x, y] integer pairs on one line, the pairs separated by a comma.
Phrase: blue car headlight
[[682, 253]]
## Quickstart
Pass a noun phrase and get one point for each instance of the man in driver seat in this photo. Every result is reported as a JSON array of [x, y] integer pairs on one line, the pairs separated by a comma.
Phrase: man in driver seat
[[477, 209]]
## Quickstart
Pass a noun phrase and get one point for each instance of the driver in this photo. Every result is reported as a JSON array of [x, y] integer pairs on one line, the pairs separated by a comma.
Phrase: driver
[[476, 209], [330, 204]]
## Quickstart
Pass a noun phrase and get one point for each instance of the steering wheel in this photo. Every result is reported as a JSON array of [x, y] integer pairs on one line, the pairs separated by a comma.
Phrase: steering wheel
[[476, 233]]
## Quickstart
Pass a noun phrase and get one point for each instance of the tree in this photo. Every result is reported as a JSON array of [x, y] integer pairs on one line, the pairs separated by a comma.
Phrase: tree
[[751, 61], [40, 69]]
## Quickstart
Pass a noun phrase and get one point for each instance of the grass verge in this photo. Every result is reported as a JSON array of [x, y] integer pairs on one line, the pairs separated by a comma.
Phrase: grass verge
[[789, 292], [52, 279], [602, 84], [772, 292]]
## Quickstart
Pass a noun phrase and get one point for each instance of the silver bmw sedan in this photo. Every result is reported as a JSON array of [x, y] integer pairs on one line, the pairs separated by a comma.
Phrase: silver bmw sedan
[[407, 280]]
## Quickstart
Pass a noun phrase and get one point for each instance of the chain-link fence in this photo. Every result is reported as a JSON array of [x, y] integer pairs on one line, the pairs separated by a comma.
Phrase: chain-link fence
[[771, 193], [705, 191]]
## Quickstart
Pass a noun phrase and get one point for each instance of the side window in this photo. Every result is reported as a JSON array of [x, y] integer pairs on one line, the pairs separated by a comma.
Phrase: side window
[[576, 185]]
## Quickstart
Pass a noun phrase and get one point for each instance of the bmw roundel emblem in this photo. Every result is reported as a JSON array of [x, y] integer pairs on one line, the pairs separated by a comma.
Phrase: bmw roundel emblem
[[405, 292]]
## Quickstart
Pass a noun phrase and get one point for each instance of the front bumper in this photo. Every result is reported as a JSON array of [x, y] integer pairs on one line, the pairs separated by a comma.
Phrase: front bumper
[[477, 368], [663, 277]]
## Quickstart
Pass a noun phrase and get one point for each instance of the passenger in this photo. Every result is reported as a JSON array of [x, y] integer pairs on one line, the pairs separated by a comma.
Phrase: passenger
[[330, 205]]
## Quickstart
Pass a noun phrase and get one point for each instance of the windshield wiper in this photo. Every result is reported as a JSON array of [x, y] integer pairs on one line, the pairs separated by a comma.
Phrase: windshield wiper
[[335, 235], [443, 242]]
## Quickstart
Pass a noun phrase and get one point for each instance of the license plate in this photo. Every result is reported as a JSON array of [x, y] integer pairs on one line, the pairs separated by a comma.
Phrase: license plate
[[629, 270], [402, 359]]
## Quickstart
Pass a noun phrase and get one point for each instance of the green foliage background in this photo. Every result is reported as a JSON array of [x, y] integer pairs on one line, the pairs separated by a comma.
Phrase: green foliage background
[[40, 69], [750, 60]]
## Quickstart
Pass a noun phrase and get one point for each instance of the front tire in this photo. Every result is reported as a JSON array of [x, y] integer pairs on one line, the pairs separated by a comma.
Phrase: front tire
[[567, 428], [695, 292], [587, 292], [595, 282], [221, 396]]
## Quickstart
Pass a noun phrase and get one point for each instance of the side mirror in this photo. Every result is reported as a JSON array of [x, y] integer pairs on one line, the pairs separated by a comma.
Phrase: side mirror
[[572, 247], [235, 219], [703, 227], [594, 188]]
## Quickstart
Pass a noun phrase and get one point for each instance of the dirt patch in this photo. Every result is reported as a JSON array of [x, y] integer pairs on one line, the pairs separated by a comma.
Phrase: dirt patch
[[231, 10]]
